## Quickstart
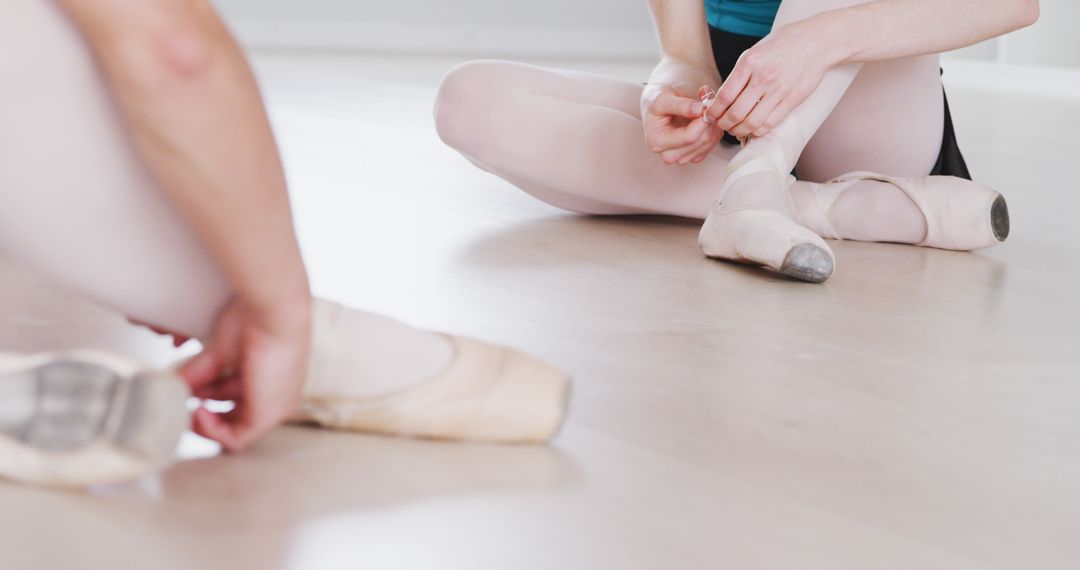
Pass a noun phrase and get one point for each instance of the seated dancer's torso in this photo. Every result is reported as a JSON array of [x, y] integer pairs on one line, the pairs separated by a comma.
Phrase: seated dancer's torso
[[745, 17]]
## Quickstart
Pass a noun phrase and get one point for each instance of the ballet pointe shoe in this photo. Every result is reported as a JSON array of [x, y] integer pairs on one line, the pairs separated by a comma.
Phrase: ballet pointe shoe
[[766, 238], [759, 236], [960, 214], [80, 419], [488, 393]]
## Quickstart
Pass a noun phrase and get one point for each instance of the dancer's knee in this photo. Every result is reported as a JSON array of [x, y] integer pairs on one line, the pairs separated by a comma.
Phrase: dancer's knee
[[465, 92]]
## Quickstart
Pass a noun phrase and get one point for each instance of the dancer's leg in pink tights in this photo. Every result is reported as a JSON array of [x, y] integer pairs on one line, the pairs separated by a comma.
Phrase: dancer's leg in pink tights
[[885, 117], [576, 140], [572, 139], [77, 204], [75, 200]]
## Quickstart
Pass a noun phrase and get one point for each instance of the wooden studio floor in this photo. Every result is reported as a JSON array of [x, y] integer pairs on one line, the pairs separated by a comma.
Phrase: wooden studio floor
[[920, 410]]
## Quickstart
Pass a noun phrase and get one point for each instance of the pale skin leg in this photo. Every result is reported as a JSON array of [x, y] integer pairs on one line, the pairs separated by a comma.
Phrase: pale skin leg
[[79, 205], [575, 140]]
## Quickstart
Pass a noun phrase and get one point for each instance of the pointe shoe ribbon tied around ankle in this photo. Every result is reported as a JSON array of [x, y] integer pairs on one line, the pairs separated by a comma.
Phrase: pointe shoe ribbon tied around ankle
[[764, 237], [960, 214], [488, 393]]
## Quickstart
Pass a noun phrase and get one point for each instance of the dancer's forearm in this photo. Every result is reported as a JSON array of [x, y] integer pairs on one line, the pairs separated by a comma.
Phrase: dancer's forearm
[[197, 118], [685, 77], [683, 31], [891, 29]]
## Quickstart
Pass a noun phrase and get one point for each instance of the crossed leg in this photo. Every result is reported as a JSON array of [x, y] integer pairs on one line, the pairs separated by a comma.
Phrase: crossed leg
[[571, 139], [77, 204], [575, 140]]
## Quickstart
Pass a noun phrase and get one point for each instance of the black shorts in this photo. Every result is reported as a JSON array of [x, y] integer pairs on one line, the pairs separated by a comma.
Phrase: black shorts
[[727, 48]]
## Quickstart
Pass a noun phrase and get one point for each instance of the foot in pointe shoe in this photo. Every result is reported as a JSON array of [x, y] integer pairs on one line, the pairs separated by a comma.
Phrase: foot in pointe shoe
[[960, 214], [80, 419], [761, 236], [488, 393]]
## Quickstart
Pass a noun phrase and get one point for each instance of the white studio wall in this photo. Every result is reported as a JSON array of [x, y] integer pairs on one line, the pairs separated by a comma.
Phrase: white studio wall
[[553, 28], [1053, 41], [604, 28]]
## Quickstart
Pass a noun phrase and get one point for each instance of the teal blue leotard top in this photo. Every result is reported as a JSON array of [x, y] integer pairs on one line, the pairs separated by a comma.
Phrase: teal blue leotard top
[[746, 17]]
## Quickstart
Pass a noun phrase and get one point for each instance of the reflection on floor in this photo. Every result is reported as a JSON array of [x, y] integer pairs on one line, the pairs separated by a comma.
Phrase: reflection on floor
[[921, 410]]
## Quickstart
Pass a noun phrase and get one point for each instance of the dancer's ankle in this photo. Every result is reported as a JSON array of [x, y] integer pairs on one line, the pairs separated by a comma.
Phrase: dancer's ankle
[[876, 211]]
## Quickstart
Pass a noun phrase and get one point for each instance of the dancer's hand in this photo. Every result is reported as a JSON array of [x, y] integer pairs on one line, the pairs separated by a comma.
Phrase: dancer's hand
[[770, 80], [257, 359], [674, 127]]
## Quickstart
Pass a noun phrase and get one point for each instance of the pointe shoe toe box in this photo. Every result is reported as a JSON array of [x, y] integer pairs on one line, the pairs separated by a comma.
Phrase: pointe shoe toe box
[[808, 262], [488, 394], [768, 239]]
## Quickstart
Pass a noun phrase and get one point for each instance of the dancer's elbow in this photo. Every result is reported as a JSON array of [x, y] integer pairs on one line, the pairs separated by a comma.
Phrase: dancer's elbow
[[160, 46], [1026, 13]]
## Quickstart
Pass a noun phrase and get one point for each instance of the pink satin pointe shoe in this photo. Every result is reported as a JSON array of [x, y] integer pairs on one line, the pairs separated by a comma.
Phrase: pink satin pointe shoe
[[487, 394], [960, 214], [80, 419], [764, 237]]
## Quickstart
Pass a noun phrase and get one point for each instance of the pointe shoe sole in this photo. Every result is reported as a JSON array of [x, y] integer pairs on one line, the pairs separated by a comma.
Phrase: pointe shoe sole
[[79, 419]]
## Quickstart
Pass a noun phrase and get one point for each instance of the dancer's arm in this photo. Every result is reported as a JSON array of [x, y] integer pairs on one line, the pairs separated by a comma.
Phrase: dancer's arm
[[196, 116], [890, 29], [670, 107], [775, 76]]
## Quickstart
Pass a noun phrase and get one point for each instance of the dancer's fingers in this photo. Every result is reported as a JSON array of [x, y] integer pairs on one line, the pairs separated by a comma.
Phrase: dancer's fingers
[[776, 116], [202, 370], [701, 148], [227, 390], [220, 357], [671, 139], [668, 103], [220, 428], [691, 137], [729, 92], [670, 157], [741, 108], [235, 431], [755, 121], [714, 141], [704, 146], [222, 352], [688, 155]]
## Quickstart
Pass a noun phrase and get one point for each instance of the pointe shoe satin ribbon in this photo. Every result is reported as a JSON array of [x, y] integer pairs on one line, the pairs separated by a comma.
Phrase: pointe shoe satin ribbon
[[761, 236]]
